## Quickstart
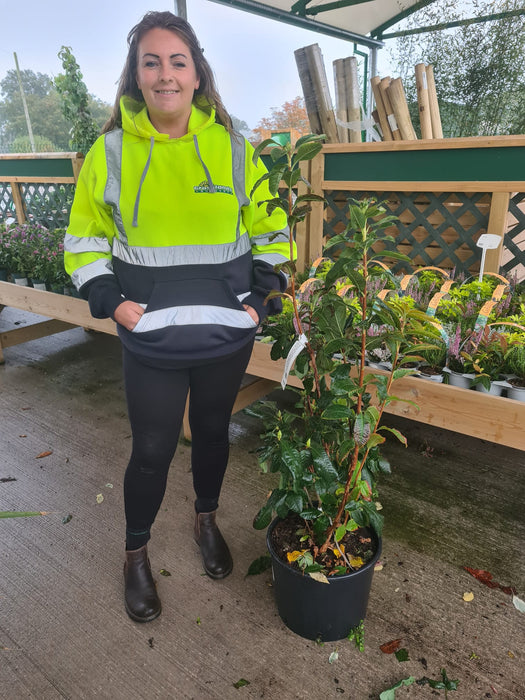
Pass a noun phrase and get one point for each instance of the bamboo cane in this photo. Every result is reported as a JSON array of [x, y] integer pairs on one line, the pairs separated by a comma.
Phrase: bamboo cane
[[392, 123], [398, 99], [385, 128], [423, 101], [437, 130]]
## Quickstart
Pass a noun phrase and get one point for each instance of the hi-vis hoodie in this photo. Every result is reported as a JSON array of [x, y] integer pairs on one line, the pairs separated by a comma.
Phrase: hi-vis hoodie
[[169, 223]]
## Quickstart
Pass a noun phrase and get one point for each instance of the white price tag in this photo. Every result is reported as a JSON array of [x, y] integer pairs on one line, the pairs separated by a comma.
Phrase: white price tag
[[292, 355]]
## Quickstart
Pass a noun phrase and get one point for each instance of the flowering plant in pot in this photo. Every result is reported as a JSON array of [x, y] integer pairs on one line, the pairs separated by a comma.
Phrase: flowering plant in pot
[[514, 364], [326, 449]]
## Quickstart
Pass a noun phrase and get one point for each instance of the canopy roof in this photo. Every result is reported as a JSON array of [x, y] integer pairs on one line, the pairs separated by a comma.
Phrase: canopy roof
[[344, 19]]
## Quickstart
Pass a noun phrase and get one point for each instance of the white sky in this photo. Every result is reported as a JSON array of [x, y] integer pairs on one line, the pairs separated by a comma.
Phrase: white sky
[[252, 57]]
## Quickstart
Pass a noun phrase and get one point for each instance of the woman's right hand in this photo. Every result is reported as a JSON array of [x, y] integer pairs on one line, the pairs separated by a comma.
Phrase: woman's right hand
[[128, 314]]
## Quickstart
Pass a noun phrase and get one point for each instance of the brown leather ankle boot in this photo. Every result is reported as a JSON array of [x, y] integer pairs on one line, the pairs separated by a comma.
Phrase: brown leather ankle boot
[[140, 596], [216, 556]]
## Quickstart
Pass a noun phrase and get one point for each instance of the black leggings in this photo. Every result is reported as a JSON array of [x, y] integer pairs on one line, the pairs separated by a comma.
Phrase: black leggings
[[156, 400]]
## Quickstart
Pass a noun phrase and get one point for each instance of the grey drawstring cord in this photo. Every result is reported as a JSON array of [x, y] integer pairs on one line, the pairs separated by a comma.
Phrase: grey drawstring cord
[[211, 186], [143, 177]]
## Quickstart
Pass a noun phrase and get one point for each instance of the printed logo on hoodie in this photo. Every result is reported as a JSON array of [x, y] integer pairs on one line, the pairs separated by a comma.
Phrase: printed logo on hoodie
[[204, 187]]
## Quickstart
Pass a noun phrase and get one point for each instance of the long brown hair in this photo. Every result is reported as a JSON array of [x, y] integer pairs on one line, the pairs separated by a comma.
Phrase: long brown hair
[[206, 92]]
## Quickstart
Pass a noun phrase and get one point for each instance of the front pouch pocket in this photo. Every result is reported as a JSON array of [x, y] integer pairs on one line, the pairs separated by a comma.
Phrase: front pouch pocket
[[193, 302]]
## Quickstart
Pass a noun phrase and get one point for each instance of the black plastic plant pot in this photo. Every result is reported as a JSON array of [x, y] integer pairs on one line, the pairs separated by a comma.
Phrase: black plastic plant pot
[[321, 611]]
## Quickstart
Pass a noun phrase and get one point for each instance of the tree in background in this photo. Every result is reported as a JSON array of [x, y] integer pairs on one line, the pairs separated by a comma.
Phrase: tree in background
[[44, 107], [75, 102], [22, 144], [292, 115], [478, 68]]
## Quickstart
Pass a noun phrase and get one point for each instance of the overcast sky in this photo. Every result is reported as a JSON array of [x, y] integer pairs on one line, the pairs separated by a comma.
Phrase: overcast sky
[[252, 57]]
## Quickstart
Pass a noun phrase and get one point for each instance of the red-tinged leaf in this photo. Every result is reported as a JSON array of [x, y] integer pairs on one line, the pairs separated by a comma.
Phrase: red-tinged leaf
[[391, 647], [482, 576], [44, 454], [485, 577]]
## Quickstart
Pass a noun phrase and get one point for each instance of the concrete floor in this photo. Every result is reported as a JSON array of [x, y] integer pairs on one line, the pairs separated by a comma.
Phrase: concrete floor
[[451, 502]]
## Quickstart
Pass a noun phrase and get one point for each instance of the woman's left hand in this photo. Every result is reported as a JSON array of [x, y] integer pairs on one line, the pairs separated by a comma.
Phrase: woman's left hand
[[253, 313]]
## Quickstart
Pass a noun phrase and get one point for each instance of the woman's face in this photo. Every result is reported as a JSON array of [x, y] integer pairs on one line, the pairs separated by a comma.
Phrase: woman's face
[[167, 77]]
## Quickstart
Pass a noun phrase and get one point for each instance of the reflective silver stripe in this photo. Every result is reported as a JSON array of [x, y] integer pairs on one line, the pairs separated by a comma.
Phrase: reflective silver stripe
[[193, 316], [182, 254], [238, 147], [86, 244], [113, 146], [271, 258], [88, 272], [272, 237]]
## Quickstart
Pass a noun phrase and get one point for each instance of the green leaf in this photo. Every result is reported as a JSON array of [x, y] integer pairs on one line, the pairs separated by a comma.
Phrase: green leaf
[[20, 514], [336, 412], [241, 683], [323, 465], [340, 533], [276, 175], [263, 517], [402, 655], [390, 693], [307, 151], [402, 439], [261, 146], [259, 565]]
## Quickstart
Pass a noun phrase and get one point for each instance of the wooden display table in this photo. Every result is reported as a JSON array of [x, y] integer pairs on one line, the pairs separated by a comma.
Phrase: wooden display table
[[480, 415]]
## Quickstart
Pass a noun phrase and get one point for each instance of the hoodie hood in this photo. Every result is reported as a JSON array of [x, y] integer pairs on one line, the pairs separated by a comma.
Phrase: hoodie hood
[[135, 120]]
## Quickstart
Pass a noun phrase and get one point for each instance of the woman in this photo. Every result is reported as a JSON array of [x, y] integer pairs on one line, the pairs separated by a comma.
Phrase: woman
[[165, 238]]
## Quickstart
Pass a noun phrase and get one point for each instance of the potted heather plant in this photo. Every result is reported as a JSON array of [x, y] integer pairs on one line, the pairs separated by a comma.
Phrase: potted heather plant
[[514, 364], [324, 534]]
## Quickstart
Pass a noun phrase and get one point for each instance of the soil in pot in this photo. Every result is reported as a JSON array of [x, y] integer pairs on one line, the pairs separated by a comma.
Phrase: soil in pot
[[310, 608]]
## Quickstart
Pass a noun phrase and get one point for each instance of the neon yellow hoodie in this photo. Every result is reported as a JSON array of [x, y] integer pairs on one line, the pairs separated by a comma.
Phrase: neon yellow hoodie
[[170, 224]]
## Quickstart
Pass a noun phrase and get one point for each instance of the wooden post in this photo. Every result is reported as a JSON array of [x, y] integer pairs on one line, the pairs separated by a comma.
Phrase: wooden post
[[341, 103], [383, 86], [398, 99], [380, 107], [316, 93], [499, 207], [423, 101], [18, 201], [347, 98], [435, 117], [353, 97], [316, 217], [302, 231]]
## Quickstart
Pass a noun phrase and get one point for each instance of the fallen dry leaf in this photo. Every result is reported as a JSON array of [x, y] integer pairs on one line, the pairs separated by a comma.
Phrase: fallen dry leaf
[[100, 498], [391, 647], [318, 576], [356, 562], [293, 556], [44, 454], [486, 578], [467, 597]]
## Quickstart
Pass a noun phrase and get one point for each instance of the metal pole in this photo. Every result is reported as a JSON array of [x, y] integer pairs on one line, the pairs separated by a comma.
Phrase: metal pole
[[28, 121], [180, 9]]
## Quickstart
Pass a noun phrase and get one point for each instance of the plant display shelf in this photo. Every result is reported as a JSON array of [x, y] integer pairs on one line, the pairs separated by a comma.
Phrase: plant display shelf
[[494, 418]]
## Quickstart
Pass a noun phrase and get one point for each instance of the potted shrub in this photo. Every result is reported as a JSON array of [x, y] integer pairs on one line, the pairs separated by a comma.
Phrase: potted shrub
[[326, 536], [514, 363]]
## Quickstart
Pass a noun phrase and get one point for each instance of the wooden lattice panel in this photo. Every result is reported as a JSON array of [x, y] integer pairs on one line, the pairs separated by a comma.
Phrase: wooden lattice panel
[[514, 252], [7, 207], [433, 229], [48, 204]]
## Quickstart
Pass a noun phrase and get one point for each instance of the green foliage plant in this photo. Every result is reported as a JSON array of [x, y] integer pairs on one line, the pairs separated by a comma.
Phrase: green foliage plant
[[514, 360], [75, 102], [327, 449]]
